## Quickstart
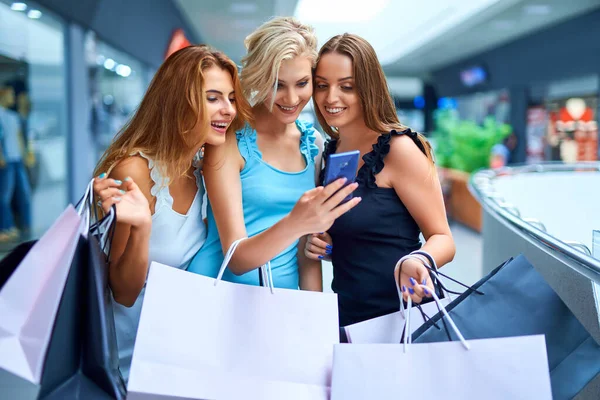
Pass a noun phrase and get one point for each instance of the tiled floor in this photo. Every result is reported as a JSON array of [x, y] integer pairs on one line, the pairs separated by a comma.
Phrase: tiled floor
[[466, 266]]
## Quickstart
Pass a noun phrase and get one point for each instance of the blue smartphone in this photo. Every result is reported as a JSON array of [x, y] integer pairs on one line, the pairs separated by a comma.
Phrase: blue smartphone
[[342, 165]]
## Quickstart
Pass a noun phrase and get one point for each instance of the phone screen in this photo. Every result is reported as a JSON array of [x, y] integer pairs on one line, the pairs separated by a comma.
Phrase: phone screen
[[342, 165]]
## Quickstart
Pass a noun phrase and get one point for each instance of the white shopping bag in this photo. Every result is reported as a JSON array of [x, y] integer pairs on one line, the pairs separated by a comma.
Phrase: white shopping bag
[[29, 301], [390, 328], [201, 340], [491, 369]]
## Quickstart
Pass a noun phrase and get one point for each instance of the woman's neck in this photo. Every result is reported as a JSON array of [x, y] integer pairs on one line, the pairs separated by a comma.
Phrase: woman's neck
[[266, 123], [356, 135]]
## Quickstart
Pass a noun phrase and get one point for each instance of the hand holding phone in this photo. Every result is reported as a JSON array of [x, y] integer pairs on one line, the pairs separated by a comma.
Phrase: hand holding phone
[[342, 165]]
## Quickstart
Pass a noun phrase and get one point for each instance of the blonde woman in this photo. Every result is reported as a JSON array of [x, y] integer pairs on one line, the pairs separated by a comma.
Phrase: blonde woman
[[261, 184], [149, 172]]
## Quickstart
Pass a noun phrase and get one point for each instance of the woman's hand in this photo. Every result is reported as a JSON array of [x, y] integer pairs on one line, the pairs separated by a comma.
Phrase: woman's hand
[[413, 274], [318, 246], [132, 206], [318, 208]]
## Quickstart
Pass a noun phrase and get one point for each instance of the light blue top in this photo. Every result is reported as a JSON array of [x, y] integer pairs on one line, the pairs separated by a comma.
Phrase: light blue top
[[268, 195]]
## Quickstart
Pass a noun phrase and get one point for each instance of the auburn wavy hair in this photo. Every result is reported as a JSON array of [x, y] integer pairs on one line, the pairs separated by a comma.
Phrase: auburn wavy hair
[[172, 107]]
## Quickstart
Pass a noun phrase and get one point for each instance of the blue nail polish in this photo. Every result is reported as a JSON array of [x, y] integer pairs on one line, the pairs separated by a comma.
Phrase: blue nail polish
[[424, 281], [412, 281], [122, 191], [320, 233], [127, 179], [328, 252], [426, 292], [403, 288], [320, 257], [411, 291], [102, 175], [329, 247], [118, 182]]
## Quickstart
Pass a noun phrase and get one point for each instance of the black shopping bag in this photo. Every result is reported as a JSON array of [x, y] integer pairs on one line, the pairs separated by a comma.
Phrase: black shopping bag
[[81, 360], [517, 301]]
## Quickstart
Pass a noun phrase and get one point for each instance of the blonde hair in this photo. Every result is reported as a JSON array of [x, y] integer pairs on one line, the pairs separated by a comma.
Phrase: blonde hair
[[279, 39], [378, 107], [172, 107]]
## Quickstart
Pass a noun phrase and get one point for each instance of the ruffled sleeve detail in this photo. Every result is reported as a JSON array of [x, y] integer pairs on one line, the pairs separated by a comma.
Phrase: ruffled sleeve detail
[[374, 160], [160, 189], [246, 138], [307, 139]]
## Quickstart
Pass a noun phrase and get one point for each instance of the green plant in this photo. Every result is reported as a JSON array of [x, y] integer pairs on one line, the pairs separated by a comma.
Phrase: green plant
[[465, 145]]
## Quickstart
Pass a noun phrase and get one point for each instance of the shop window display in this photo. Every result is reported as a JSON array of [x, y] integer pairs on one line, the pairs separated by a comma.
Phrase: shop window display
[[117, 85], [572, 131], [33, 122]]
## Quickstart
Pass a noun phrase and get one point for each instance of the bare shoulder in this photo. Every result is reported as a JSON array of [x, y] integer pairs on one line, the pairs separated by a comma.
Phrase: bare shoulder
[[406, 157], [136, 168]]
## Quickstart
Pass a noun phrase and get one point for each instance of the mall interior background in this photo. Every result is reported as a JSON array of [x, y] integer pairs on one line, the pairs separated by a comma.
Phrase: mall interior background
[[520, 68]]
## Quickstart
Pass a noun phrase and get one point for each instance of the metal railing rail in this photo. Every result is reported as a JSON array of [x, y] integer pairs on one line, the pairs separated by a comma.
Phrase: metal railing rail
[[481, 186]]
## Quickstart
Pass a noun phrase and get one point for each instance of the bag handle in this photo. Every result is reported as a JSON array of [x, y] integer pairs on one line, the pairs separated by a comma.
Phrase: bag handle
[[264, 271], [85, 206], [408, 338]]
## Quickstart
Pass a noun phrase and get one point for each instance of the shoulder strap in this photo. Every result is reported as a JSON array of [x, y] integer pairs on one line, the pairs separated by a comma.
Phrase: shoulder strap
[[160, 189]]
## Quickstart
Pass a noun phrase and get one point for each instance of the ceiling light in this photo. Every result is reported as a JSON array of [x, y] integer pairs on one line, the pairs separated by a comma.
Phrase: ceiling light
[[537, 9], [339, 10], [34, 14], [123, 70], [110, 64], [18, 6], [243, 8]]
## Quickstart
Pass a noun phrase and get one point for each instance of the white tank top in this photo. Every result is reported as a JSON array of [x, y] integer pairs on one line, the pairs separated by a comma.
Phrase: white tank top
[[174, 240]]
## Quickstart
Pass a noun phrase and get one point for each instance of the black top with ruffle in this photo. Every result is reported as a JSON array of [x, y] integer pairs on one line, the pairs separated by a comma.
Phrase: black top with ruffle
[[369, 240]]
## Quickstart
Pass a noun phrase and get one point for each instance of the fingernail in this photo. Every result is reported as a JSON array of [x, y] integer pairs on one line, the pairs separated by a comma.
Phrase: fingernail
[[328, 247], [122, 191], [426, 291], [118, 182], [412, 281], [424, 281], [358, 199], [127, 179], [403, 288], [411, 291], [320, 233], [117, 198], [102, 175], [320, 257], [344, 180], [328, 251]]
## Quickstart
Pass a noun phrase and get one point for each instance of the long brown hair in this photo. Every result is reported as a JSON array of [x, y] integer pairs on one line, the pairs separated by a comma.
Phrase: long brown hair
[[378, 107], [172, 107]]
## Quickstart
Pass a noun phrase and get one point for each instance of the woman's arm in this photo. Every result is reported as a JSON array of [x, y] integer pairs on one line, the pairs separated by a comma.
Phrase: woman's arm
[[130, 245], [315, 211], [310, 270], [416, 183]]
